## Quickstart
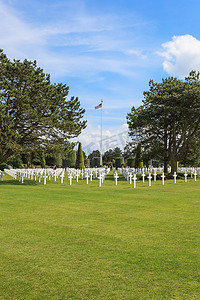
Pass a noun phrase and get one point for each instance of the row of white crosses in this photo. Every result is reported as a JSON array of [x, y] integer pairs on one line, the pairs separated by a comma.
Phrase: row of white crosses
[[92, 173], [130, 174], [88, 174], [20, 174]]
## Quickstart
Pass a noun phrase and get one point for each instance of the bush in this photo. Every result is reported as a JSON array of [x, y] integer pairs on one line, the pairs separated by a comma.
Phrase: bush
[[119, 161], [87, 162], [130, 162], [3, 166], [96, 162]]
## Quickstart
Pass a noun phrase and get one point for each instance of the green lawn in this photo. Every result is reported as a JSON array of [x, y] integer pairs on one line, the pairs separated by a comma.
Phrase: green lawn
[[84, 242]]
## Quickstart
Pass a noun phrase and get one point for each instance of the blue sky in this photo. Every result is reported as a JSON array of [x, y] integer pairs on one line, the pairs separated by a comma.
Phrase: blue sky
[[104, 50]]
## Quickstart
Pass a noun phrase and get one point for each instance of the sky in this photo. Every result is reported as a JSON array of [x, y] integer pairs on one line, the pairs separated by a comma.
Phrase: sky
[[108, 49]]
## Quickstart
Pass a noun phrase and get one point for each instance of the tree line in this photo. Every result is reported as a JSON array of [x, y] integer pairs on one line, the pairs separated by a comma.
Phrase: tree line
[[38, 121]]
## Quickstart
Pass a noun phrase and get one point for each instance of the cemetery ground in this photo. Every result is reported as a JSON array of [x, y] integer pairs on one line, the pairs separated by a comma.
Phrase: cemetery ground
[[85, 242]]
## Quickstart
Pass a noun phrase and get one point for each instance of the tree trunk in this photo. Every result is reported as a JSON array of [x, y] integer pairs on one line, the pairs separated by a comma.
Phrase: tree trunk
[[173, 161], [166, 159], [173, 154]]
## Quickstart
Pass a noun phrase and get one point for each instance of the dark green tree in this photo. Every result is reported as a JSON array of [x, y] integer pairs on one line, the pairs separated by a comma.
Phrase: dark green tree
[[131, 162], [33, 111], [108, 156], [95, 153], [138, 157], [117, 152], [80, 158], [119, 161], [168, 122], [87, 162], [96, 162], [70, 159]]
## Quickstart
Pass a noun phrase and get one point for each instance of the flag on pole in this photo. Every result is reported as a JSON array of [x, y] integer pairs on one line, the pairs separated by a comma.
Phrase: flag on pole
[[98, 106]]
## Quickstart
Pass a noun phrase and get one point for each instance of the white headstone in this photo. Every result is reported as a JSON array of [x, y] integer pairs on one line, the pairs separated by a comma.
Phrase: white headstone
[[175, 177], [100, 179], [195, 175], [116, 176], [163, 178], [70, 178], [143, 176], [149, 177], [185, 176], [134, 180], [86, 176], [45, 177]]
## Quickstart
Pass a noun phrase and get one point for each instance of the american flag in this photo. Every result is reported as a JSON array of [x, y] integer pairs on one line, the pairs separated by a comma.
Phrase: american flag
[[98, 106]]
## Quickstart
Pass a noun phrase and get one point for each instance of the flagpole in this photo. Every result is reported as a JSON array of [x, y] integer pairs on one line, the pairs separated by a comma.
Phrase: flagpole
[[101, 161]]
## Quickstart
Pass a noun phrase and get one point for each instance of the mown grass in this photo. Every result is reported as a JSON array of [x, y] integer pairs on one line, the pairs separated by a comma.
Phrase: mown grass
[[85, 242]]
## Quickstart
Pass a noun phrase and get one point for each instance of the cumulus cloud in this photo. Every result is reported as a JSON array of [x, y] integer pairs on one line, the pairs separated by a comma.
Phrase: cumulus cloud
[[181, 55]]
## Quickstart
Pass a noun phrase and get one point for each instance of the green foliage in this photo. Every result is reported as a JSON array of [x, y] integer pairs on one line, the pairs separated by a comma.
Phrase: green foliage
[[15, 161], [131, 162], [87, 162], [80, 158], [59, 160], [110, 155], [50, 160], [138, 157], [168, 122], [43, 161], [70, 159], [119, 161], [96, 162], [34, 112], [3, 166], [95, 153]]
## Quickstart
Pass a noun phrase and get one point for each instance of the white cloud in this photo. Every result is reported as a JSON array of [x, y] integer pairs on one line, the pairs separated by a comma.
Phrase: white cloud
[[182, 55], [90, 138], [101, 42]]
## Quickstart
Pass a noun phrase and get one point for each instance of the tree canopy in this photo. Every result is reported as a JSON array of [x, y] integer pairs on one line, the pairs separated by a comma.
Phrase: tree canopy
[[168, 122], [33, 111]]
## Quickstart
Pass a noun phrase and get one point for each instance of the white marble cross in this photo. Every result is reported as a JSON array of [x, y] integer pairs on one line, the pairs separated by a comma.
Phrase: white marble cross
[[116, 176], [86, 176], [195, 175], [163, 178], [130, 178], [134, 180], [149, 177], [45, 177], [39, 177], [70, 178], [175, 177], [61, 177], [54, 175], [143, 176], [154, 176], [1, 175], [100, 179], [185, 176], [22, 177], [35, 176]]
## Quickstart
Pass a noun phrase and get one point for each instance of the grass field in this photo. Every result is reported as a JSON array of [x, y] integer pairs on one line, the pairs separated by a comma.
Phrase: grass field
[[85, 242]]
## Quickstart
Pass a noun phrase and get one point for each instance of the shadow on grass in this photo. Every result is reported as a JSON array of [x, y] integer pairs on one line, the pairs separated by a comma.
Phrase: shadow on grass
[[111, 178], [15, 182]]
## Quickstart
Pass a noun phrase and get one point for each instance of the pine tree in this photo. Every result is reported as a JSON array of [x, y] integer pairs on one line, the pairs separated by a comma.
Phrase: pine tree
[[80, 158], [138, 158]]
